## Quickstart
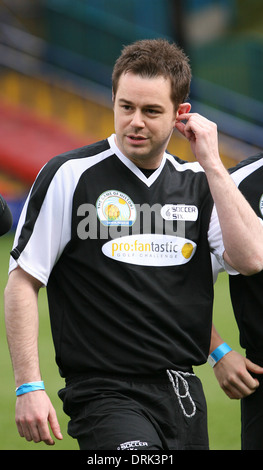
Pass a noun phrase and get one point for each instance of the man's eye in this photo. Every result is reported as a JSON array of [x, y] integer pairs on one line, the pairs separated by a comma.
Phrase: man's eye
[[152, 111]]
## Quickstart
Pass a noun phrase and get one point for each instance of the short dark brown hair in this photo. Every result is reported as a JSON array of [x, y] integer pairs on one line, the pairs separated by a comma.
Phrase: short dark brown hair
[[152, 58]]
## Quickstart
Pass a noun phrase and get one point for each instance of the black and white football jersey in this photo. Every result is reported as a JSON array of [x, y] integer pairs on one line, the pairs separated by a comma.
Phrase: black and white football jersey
[[125, 259], [246, 291]]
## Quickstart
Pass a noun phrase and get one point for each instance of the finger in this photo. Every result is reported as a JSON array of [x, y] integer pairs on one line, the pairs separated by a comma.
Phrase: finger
[[184, 116], [253, 367], [33, 434], [236, 393], [25, 432], [194, 123], [49, 441], [180, 127], [187, 130], [23, 429], [242, 388], [194, 117], [35, 431], [54, 424], [45, 435], [251, 383]]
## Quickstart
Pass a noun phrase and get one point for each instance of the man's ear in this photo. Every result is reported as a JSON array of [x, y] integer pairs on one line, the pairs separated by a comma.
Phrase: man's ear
[[183, 108]]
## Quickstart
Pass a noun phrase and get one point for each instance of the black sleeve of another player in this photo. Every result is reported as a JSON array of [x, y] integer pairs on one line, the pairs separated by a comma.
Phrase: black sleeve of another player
[[6, 219]]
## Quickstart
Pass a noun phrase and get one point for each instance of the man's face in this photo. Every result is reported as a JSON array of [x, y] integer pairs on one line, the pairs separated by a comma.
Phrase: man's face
[[144, 118]]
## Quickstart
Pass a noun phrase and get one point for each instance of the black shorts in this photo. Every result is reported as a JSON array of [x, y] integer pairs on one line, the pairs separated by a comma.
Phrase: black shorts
[[162, 413]]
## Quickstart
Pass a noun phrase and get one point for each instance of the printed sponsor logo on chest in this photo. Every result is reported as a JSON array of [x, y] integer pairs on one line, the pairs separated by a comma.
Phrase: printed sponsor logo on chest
[[115, 208], [159, 244], [179, 212], [150, 250]]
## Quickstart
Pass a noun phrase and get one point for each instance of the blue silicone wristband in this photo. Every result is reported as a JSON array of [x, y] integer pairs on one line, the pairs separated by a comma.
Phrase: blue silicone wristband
[[30, 387], [218, 353]]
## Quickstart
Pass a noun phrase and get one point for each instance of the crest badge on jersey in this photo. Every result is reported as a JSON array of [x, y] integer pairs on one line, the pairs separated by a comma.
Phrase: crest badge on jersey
[[261, 205], [115, 208]]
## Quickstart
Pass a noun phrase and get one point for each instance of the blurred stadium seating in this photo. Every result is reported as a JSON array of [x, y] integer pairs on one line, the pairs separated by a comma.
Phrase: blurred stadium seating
[[56, 59]]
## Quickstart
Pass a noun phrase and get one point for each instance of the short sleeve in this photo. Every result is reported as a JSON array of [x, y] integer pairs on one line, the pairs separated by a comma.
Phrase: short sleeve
[[216, 243], [43, 229]]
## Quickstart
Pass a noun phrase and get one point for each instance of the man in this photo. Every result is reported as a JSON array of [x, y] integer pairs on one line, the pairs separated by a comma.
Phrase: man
[[117, 231], [241, 377]]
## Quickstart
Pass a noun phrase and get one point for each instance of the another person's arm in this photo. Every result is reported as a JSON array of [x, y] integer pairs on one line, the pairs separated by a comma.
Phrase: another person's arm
[[232, 370], [6, 218]]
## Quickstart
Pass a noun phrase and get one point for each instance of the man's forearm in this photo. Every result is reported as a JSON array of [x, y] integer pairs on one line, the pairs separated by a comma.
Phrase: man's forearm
[[21, 317], [216, 339], [241, 229]]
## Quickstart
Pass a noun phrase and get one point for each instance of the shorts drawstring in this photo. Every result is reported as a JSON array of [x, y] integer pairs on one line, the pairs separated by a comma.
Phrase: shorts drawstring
[[175, 378]]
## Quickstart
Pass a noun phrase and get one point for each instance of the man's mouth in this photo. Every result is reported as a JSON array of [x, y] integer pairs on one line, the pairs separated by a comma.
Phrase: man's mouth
[[137, 138]]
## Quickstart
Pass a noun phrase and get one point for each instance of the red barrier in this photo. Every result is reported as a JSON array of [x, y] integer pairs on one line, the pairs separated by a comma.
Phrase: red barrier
[[27, 142]]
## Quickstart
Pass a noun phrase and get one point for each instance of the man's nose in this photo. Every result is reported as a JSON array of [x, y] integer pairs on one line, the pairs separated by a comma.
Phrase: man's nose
[[137, 119]]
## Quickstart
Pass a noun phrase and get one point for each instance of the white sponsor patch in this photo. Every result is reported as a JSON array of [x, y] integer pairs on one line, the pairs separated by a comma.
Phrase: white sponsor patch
[[179, 212], [150, 250]]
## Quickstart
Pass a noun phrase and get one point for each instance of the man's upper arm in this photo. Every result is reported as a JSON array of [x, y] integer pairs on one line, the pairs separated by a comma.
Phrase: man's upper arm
[[19, 278]]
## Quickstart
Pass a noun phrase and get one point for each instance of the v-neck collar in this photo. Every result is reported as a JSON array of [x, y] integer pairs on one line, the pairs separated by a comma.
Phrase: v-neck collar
[[132, 167]]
